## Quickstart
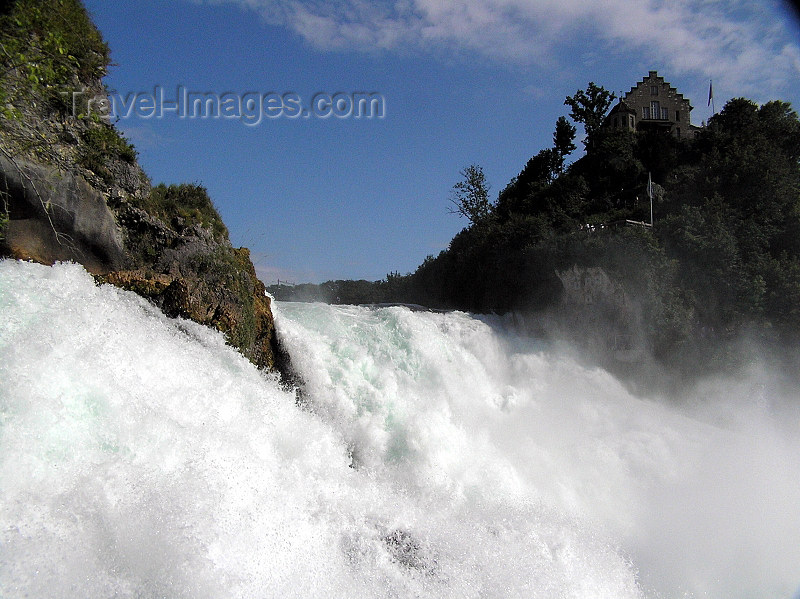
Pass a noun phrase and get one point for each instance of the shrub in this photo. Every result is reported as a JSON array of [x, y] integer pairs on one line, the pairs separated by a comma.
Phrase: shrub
[[101, 144], [188, 202], [51, 41]]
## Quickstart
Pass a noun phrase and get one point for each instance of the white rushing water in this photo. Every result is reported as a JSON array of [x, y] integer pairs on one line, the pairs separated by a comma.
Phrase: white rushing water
[[433, 455]]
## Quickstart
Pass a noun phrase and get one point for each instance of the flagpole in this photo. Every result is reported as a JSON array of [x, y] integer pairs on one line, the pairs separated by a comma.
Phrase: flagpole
[[650, 193]]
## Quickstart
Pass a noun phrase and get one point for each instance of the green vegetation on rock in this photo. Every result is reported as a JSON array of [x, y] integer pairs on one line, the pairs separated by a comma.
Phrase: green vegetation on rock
[[184, 205], [49, 44], [52, 59], [103, 144]]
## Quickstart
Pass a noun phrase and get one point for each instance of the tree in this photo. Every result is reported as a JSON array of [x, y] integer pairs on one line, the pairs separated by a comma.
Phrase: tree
[[563, 139], [590, 108], [520, 195], [470, 196]]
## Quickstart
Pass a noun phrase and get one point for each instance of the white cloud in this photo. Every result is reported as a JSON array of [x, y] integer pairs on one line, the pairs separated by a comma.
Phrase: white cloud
[[743, 42]]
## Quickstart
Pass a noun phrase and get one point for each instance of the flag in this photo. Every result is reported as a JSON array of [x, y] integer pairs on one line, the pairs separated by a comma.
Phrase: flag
[[710, 92]]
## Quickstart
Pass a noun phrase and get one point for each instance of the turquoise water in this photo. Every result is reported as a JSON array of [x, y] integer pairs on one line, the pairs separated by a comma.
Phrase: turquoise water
[[432, 455]]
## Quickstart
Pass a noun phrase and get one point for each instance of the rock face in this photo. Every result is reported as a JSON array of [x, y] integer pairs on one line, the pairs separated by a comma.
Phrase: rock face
[[244, 317], [56, 215], [597, 308], [71, 189], [213, 284], [187, 270]]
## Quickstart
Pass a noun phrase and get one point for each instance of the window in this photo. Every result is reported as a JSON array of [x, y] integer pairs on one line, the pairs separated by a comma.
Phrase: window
[[655, 109], [645, 112], [665, 114], [653, 90], [678, 115], [678, 130], [631, 121]]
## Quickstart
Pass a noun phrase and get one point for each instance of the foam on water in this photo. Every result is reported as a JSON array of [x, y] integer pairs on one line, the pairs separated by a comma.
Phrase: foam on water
[[434, 456], [700, 491], [143, 458]]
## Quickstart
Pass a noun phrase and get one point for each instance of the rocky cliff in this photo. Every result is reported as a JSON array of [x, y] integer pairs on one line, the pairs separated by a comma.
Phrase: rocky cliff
[[71, 188]]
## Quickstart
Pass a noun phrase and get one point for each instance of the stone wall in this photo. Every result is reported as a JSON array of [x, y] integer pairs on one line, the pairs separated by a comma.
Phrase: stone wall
[[653, 89]]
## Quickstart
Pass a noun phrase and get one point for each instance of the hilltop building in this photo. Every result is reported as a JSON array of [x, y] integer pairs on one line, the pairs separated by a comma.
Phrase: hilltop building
[[653, 104]]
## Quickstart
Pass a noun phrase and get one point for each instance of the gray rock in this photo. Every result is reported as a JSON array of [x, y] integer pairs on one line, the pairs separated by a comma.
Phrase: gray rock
[[56, 215]]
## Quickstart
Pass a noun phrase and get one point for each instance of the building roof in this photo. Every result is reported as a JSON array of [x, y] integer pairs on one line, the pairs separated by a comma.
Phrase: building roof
[[622, 107], [655, 75]]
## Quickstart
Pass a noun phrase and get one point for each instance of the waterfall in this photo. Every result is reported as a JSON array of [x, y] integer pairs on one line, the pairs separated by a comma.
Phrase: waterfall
[[426, 455]]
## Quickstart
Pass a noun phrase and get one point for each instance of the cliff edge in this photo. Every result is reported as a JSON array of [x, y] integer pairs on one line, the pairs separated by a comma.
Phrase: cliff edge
[[72, 189]]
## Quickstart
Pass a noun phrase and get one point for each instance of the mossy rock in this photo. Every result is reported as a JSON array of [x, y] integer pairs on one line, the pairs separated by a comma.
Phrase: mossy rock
[[219, 289], [183, 206]]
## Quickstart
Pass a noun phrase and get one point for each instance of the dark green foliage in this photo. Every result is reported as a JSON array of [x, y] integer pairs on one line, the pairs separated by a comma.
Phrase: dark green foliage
[[590, 107], [616, 177], [659, 152], [711, 267], [563, 140], [735, 218], [393, 289], [723, 257], [470, 196], [521, 194], [183, 206]]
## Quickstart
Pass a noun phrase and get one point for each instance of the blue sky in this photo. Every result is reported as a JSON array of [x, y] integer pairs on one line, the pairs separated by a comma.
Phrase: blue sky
[[468, 81]]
